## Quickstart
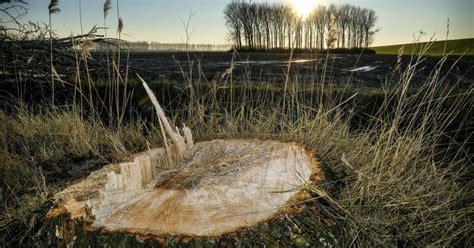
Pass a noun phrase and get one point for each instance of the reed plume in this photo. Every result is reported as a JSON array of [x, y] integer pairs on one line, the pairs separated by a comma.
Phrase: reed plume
[[107, 7], [53, 7], [333, 32], [120, 25], [398, 65], [86, 47]]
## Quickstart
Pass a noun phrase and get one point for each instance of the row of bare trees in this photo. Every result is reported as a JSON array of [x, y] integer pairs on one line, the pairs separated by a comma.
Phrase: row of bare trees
[[277, 26], [157, 46]]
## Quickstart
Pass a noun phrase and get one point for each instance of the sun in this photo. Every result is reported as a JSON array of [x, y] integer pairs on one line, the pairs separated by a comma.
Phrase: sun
[[303, 7]]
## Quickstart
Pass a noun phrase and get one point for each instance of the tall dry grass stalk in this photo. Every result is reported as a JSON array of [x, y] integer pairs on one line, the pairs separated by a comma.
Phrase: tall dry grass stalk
[[80, 17], [106, 10], [188, 75], [447, 37], [53, 8], [120, 27]]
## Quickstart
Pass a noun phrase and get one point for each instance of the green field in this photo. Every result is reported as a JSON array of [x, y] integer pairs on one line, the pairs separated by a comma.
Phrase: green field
[[453, 47]]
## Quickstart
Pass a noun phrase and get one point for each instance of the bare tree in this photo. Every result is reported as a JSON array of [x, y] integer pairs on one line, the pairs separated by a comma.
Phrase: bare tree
[[354, 26], [233, 22], [369, 25], [343, 21], [321, 24], [276, 26]]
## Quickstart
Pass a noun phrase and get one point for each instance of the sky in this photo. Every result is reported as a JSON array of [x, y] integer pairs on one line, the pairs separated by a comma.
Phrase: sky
[[162, 20]]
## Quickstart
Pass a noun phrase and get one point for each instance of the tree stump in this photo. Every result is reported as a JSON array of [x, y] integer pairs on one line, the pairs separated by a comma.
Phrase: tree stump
[[197, 191]]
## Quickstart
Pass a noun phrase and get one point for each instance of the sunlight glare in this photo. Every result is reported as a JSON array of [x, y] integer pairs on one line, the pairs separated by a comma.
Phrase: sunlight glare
[[303, 7]]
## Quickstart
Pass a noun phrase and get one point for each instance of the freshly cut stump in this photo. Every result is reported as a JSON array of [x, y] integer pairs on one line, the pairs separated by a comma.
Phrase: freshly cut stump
[[208, 189], [220, 187]]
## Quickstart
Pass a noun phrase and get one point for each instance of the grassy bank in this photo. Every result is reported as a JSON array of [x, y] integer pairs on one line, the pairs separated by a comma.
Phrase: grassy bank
[[437, 48], [385, 182]]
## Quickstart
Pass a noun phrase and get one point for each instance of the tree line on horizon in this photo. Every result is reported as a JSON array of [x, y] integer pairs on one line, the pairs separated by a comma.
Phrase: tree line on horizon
[[269, 26], [159, 46]]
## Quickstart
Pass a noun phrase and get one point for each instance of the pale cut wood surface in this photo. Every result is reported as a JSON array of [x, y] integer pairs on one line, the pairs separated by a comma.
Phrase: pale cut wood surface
[[223, 186]]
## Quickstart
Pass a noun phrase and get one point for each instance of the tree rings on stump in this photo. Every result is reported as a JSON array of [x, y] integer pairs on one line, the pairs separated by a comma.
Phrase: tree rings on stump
[[220, 187]]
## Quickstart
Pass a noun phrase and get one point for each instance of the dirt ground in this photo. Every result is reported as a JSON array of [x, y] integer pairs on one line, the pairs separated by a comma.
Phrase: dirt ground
[[355, 70]]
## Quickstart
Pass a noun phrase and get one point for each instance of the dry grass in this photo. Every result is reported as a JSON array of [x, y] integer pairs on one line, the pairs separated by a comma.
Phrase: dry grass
[[43, 152], [386, 185]]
